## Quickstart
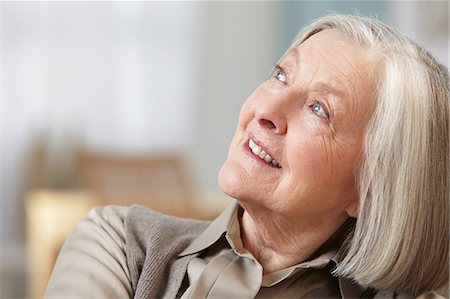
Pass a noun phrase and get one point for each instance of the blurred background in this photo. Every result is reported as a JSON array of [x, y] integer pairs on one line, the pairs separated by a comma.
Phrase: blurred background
[[136, 102]]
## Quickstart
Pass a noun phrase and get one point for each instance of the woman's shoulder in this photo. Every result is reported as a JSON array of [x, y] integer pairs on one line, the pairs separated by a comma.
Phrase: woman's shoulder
[[140, 217], [138, 229], [94, 253], [146, 228], [111, 216], [103, 246], [137, 218]]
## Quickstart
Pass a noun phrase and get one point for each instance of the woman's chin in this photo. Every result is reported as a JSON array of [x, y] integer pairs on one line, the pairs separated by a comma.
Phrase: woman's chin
[[230, 180]]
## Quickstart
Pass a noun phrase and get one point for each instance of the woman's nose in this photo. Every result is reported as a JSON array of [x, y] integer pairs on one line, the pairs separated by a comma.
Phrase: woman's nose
[[272, 116]]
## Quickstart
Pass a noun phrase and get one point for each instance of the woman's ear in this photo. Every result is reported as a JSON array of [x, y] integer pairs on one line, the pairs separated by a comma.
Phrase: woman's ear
[[353, 209]]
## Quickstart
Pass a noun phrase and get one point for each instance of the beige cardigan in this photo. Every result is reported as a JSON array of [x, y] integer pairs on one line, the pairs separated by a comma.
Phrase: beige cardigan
[[121, 252], [153, 243]]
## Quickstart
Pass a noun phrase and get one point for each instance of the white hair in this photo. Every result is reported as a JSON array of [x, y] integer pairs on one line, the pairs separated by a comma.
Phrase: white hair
[[400, 240]]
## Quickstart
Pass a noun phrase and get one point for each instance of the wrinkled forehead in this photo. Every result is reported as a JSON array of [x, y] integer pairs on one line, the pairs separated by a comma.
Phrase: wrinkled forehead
[[305, 36], [339, 59]]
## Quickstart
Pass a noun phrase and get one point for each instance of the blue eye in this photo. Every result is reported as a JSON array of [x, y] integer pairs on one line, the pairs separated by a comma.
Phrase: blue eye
[[318, 109], [279, 74]]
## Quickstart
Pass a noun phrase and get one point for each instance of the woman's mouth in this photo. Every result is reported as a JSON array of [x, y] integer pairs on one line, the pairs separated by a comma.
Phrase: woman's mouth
[[261, 154]]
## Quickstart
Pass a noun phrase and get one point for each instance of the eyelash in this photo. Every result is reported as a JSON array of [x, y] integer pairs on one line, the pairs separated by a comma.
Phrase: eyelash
[[279, 74]]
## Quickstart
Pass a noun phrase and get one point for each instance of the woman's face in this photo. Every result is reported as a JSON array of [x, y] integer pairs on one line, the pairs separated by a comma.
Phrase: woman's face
[[309, 119]]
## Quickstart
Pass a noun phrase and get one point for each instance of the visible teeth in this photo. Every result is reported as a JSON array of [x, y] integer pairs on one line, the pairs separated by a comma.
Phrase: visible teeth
[[262, 154], [258, 151]]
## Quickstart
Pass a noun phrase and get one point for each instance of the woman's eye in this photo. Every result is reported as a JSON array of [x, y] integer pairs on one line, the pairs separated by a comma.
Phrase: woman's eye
[[279, 74], [318, 109]]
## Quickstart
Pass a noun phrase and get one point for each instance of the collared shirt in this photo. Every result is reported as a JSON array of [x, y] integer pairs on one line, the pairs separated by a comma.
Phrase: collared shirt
[[93, 263], [224, 267]]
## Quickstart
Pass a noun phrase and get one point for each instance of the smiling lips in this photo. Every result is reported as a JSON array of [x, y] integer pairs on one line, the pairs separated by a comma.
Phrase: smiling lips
[[260, 153]]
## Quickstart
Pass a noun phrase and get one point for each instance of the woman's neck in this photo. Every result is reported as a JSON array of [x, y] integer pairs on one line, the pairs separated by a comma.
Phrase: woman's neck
[[278, 243]]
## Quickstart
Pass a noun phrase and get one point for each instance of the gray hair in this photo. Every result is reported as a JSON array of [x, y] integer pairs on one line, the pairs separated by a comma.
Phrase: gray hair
[[400, 241]]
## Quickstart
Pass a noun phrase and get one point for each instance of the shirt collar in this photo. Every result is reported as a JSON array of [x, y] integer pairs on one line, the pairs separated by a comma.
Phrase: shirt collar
[[213, 232], [330, 251]]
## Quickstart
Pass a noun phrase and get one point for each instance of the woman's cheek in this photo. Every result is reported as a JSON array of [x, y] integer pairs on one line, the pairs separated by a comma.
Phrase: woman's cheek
[[312, 154]]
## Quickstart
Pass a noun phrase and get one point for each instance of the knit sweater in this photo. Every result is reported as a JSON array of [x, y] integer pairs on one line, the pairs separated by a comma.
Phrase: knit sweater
[[153, 242], [122, 252]]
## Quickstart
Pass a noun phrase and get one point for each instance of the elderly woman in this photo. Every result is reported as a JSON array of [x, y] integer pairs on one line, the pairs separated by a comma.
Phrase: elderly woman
[[339, 167]]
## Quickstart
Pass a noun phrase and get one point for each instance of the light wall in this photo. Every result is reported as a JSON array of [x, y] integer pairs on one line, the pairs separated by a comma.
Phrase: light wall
[[123, 77], [92, 75]]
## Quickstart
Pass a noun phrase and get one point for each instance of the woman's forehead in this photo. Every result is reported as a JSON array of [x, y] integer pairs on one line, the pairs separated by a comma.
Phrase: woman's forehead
[[334, 63]]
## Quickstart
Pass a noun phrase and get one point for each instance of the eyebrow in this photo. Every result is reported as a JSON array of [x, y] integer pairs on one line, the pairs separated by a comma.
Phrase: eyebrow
[[325, 88]]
